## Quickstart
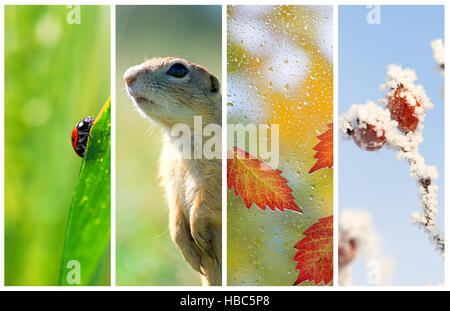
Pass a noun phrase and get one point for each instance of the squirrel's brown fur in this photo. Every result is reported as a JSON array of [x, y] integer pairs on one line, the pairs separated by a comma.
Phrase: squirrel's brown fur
[[193, 186]]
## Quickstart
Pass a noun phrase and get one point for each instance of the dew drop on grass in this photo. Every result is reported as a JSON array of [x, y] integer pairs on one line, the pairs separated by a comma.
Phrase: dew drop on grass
[[84, 199]]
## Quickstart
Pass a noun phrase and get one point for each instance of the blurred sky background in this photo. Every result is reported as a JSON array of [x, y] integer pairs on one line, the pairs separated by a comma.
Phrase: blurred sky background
[[56, 74], [146, 254], [376, 181]]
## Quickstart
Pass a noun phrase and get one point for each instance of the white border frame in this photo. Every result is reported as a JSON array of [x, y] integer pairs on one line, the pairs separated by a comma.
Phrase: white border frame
[[224, 3]]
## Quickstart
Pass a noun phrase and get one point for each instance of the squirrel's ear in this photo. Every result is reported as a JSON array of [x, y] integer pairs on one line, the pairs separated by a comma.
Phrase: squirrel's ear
[[215, 85]]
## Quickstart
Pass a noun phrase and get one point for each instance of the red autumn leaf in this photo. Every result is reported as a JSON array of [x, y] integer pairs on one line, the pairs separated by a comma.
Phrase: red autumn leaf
[[315, 253], [257, 182], [324, 150]]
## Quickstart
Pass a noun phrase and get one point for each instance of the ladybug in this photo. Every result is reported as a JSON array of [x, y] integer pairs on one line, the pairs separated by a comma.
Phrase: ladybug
[[80, 135]]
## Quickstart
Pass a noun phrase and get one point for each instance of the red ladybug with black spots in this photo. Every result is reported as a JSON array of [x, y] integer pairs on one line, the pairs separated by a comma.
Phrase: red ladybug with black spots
[[80, 135]]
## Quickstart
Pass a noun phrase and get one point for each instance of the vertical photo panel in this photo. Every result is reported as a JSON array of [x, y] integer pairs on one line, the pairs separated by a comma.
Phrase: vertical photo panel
[[280, 145], [391, 145], [57, 145], [169, 166]]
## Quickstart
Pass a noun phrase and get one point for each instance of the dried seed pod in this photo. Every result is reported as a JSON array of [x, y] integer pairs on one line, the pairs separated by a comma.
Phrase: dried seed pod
[[402, 105], [369, 138]]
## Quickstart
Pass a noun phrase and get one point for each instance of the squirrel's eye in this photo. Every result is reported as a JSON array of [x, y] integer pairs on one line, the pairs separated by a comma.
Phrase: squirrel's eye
[[178, 70]]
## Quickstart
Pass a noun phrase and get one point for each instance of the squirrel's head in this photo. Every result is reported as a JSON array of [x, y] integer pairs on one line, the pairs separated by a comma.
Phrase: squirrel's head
[[173, 90]]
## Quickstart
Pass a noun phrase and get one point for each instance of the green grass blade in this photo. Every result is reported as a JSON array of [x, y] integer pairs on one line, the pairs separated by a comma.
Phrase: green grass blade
[[89, 227]]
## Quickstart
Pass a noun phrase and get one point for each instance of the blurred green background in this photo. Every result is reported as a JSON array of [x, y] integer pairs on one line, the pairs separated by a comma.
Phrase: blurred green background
[[146, 254], [56, 74]]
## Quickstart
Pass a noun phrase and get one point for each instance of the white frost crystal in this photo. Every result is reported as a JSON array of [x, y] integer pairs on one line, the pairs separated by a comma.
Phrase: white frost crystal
[[437, 46], [413, 93], [362, 115]]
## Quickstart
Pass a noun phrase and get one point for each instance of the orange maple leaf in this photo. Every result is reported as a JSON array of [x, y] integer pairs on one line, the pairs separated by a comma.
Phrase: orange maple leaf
[[315, 253], [257, 182], [324, 150]]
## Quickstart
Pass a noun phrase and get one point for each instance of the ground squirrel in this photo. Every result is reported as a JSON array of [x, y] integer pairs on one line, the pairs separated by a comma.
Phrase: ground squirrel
[[173, 91]]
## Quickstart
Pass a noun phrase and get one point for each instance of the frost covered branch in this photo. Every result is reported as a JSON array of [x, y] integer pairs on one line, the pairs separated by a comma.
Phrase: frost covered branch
[[437, 46], [439, 54], [399, 125], [357, 237]]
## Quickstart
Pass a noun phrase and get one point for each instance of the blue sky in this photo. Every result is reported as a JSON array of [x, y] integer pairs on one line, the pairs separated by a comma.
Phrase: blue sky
[[376, 181]]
